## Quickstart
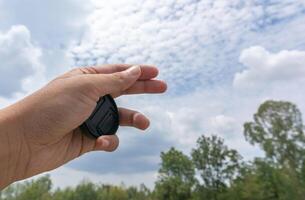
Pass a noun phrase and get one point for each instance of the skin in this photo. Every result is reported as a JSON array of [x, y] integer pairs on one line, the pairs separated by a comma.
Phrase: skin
[[40, 132]]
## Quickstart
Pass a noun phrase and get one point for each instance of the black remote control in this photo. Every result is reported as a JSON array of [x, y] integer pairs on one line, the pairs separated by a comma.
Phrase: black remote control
[[104, 120]]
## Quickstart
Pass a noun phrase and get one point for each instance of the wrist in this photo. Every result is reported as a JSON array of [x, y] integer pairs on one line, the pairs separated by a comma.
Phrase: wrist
[[14, 151]]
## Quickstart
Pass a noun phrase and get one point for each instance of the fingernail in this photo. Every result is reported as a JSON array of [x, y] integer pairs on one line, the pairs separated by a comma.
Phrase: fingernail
[[134, 70], [105, 143]]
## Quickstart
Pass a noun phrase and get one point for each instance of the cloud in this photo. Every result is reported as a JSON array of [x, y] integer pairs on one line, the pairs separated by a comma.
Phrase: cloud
[[54, 25], [195, 43], [20, 59], [180, 37], [265, 69], [226, 125], [59, 178]]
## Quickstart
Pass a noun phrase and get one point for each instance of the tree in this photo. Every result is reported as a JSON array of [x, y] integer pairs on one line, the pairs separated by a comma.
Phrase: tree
[[176, 176], [217, 165], [11, 192], [85, 190], [63, 194], [278, 129], [261, 180], [35, 190], [138, 194], [112, 192]]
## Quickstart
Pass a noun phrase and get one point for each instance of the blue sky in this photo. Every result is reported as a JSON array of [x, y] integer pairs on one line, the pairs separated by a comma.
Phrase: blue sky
[[221, 59]]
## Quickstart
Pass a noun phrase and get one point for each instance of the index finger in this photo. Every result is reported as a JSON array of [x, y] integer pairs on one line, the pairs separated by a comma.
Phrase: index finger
[[148, 71]]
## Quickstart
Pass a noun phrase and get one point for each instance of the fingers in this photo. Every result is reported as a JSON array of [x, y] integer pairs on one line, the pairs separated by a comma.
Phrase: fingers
[[133, 118], [148, 71], [87, 144], [107, 143], [110, 143], [117, 80], [144, 87], [115, 83], [150, 86]]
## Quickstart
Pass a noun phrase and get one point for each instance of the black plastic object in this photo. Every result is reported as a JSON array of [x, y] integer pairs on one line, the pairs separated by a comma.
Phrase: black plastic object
[[104, 120]]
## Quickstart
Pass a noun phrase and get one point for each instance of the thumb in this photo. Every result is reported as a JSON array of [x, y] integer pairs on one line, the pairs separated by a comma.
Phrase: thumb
[[116, 82]]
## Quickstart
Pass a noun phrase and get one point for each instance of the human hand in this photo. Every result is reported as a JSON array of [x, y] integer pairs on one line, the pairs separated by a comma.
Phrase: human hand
[[40, 132]]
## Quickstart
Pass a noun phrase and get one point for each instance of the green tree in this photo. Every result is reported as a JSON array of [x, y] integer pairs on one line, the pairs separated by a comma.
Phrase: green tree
[[85, 190], [11, 192], [261, 180], [176, 176], [217, 165], [109, 192], [278, 129], [63, 194], [139, 194], [38, 189]]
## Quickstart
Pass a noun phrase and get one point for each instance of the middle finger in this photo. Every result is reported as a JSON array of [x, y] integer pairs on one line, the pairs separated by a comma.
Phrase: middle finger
[[145, 87]]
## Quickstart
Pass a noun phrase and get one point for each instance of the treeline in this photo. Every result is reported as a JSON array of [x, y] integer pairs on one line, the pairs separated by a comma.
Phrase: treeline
[[212, 171]]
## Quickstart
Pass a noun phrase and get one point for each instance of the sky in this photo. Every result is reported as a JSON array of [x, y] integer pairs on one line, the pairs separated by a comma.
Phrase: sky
[[220, 58]]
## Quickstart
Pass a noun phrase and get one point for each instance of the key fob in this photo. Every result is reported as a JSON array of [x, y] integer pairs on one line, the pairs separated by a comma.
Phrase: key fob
[[104, 120]]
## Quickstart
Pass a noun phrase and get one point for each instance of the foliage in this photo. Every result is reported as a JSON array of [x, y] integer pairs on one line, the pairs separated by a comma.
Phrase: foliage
[[34, 190], [176, 176], [213, 171], [278, 129], [217, 165]]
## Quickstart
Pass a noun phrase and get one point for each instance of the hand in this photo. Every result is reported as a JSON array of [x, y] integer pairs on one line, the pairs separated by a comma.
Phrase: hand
[[40, 132]]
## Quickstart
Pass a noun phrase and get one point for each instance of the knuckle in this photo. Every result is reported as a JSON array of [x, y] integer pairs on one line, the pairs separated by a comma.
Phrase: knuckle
[[88, 70], [118, 78], [74, 70]]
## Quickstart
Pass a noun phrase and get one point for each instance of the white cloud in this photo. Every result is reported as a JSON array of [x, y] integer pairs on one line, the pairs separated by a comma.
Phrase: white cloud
[[54, 25], [20, 60], [181, 120], [59, 178], [195, 43], [179, 36], [266, 69], [226, 125]]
